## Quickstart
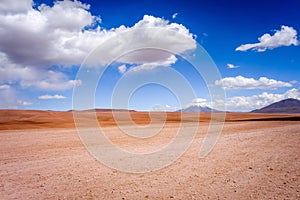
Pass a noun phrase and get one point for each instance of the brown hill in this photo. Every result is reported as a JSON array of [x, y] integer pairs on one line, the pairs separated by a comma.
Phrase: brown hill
[[36, 119]]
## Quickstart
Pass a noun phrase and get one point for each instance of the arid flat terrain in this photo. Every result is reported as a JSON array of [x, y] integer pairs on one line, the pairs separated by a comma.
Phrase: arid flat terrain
[[36, 119], [256, 157]]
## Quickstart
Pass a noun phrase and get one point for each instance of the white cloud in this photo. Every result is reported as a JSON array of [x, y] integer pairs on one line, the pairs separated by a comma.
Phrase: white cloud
[[166, 108], [9, 6], [248, 103], [4, 87], [122, 69], [148, 66], [174, 15], [169, 108], [287, 36], [10, 99], [32, 40], [48, 32], [146, 41], [51, 85], [56, 96], [199, 102], [33, 77], [58, 35], [240, 82], [232, 66], [11, 72], [24, 103]]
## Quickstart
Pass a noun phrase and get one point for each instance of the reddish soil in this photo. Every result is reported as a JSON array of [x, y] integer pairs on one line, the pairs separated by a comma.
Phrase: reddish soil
[[256, 157], [34, 119]]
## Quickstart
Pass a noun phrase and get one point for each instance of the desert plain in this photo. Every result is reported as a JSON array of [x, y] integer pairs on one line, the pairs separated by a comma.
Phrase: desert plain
[[257, 156]]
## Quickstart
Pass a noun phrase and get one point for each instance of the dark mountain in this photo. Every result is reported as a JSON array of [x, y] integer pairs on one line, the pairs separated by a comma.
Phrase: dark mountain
[[197, 109], [284, 106]]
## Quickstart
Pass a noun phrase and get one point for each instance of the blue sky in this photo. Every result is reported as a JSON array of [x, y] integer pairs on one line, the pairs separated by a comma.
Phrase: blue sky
[[43, 44]]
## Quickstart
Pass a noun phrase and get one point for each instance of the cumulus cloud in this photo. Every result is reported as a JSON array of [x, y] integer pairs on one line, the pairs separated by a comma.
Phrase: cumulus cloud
[[47, 96], [49, 35], [248, 103], [151, 40], [287, 36], [240, 82], [34, 39], [28, 76], [232, 66], [62, 35], [8, 6], [11, 72]]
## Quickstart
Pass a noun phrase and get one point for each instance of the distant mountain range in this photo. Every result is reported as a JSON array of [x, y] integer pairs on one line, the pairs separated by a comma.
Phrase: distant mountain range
[[197, 109], [284, 106]]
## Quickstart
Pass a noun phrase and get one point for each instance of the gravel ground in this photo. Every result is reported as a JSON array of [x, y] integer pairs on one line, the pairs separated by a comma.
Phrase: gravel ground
[[252, 160]]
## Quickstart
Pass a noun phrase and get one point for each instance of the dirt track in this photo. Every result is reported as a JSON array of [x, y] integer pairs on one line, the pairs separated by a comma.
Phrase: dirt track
[[252, 160]]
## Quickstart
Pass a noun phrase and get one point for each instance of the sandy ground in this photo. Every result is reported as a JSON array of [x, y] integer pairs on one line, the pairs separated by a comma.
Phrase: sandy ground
[[252, 160], [36, 119]]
